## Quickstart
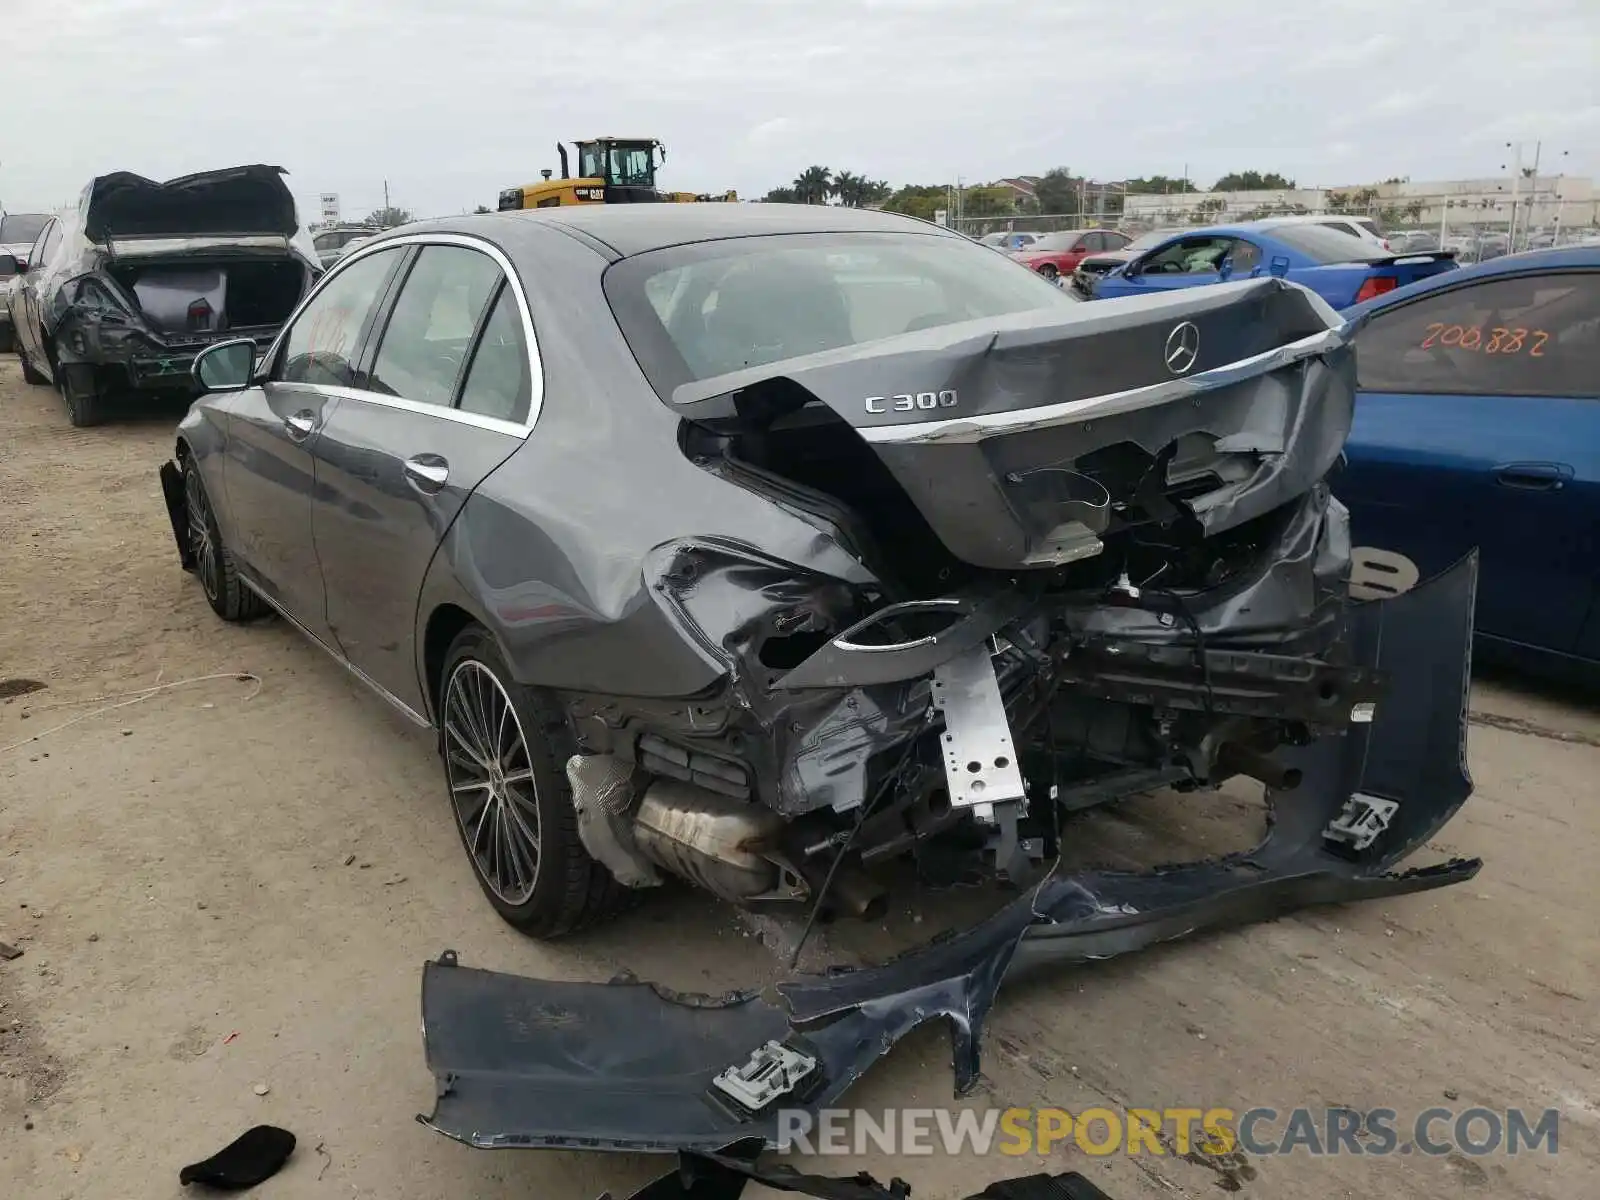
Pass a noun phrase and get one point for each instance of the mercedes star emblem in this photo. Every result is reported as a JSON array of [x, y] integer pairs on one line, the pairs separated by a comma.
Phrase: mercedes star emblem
[[1183, 347]]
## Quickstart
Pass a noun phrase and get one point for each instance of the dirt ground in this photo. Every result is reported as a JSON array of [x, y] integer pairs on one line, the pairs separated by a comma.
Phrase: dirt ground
[[175, 871]]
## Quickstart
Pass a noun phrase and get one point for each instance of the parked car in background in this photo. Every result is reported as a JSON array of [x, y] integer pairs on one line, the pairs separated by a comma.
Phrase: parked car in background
[[119, 295], [1365, 229], [18, 232], [1091, 266], [1412, 241], [1478, 424], [333, 241], [1057, 255], [1343, 270]]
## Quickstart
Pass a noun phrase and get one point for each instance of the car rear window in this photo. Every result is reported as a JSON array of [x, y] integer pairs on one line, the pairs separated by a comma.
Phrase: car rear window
[[708, 309], [1323, 245]]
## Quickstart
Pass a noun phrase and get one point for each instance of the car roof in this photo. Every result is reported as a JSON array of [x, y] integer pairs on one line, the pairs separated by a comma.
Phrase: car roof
[[1310, 218], [629, 229], [1561, 258]]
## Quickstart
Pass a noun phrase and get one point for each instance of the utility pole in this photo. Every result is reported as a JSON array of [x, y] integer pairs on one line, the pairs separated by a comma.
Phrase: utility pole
[[385, 199]]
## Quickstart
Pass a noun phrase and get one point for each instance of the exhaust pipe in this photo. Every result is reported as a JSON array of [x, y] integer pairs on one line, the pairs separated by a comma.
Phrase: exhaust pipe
[[1236, 759], [561, 152]]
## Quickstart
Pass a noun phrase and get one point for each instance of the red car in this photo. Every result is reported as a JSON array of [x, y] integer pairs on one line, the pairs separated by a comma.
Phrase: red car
[[1058, 254]]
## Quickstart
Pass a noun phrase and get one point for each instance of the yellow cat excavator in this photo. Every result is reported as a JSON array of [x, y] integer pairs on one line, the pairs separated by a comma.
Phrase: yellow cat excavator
[[611, 170]]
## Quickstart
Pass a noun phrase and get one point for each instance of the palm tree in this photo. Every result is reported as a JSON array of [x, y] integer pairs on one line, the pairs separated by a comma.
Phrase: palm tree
[[813, 184], [847, 187]]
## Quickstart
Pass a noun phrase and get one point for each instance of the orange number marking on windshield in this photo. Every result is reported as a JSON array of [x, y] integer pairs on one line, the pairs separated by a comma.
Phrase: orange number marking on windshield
[[1470, 338]]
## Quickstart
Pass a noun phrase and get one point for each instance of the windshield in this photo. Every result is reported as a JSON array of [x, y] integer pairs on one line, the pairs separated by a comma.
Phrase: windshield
[[334, 238], [618, 163], [1324, 245], [1149, 241], [22, 227], [698, 311]]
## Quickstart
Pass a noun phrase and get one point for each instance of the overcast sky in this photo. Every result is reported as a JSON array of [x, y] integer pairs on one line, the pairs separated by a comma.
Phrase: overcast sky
[[452, 100]]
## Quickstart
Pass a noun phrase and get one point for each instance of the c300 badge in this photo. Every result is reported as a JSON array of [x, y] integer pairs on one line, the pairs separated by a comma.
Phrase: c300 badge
[[912, 401]]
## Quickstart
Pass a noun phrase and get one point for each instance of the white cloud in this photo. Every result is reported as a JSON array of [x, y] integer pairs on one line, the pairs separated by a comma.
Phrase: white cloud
[[451, 103]]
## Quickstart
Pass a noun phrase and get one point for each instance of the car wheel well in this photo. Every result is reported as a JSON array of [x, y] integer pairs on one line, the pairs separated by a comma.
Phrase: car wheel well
[[444, 624]]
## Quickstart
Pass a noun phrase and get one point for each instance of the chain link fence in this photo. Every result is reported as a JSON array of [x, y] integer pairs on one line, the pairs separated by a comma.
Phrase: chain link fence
[[1474, 227]]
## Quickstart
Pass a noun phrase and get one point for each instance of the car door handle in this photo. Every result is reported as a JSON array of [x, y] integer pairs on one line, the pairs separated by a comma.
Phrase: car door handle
[[1533, 476], [427, 473], [300, 425]]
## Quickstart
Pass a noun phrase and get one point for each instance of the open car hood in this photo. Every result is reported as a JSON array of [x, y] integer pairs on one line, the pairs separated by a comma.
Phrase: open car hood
[[236, 200]]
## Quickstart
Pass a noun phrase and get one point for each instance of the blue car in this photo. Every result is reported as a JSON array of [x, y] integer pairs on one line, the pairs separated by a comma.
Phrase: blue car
[[1478, 424], [1342, 269]]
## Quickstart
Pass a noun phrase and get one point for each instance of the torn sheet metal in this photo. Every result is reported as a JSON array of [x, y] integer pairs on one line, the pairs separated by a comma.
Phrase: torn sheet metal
[[629, 1066], [1007, 481]]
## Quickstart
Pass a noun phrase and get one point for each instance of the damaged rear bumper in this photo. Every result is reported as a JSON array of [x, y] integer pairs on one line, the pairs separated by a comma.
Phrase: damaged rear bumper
[[629, 1066]]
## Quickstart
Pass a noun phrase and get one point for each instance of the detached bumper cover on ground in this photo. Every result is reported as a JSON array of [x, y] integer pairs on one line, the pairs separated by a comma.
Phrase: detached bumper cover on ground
[[629, 1066]]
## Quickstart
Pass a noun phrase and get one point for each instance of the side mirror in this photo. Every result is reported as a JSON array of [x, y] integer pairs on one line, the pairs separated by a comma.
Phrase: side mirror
[[9, 266], [1279, 266], [225, 367]]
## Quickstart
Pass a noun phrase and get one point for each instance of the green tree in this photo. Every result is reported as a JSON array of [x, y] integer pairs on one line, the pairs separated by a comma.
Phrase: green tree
[[1252, 181], [388, 218], [987, 202], [781, 195], [1158, 185], [918, 200], [483, 208], [857, 191], [813, 185], [1057, 191]]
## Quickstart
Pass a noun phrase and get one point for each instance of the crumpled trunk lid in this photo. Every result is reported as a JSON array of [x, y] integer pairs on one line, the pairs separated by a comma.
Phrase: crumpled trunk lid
[[236, 200], [1024, 442]]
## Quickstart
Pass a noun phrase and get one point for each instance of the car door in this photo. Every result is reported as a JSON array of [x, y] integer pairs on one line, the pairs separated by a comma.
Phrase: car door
[[27, 314], [1478, 424], [444, 398], [273, 428], [1088, 243], [1187, 262]]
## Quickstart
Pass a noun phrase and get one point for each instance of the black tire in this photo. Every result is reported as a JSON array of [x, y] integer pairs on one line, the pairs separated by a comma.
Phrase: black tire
[[213, 564], [86, 404], [1049, 272], [29, 374], [569, 890]]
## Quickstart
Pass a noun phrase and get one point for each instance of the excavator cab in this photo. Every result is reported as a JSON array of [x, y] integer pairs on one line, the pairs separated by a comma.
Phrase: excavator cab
[[610, 171]]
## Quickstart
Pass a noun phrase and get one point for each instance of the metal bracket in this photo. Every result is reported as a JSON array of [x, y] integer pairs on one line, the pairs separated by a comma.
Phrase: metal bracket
[[1362, 820], [772, 1072], [980, 760]]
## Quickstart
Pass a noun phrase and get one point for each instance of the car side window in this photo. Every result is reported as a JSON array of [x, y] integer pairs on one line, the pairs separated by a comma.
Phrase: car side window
[[1116, 241], [498, 383], [1188, 256], [1246, 257], [1092, 242], [42, 246], [430, 329], [1528, 335], [321, 345]]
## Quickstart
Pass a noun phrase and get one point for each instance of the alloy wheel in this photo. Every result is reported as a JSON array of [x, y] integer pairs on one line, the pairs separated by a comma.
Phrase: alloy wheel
[[201, 544], [491, 781]]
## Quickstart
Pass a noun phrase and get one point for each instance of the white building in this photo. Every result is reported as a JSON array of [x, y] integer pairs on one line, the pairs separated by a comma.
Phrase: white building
[[1565, 201]]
